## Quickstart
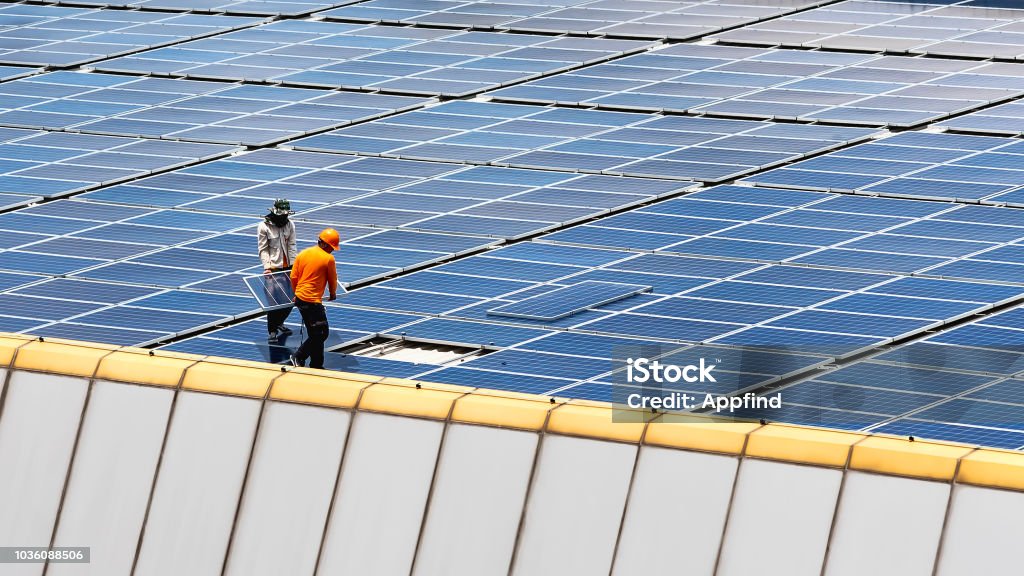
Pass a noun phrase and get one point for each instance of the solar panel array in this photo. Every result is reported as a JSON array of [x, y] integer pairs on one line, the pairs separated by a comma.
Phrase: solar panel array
[[965, 28], [784, 84], [544, 185], [61, 37], [632, 18]]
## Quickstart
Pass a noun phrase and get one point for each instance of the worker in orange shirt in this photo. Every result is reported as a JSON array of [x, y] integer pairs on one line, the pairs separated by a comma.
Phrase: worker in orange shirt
[[312, 271]]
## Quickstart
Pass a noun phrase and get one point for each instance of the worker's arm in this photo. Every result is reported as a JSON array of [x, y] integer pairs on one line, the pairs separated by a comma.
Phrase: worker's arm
[[292, 250], [263, 245], [332, 278], [296, 274]]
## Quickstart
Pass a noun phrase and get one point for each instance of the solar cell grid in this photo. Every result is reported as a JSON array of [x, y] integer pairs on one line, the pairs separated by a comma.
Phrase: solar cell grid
[[960, 29], [393, 59], [617, 143], [242, 7], [768, 83], [64, 37], [184, 109], [677, 20]]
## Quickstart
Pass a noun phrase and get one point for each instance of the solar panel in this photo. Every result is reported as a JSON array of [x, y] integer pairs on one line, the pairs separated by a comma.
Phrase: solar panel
[[12, 72], [46, 164], [568, 300], [617, 143], [784, 84], [184, 109], [604, 17], [1005, 119], [244, 7], [946, 28], [403, 60], [65, 37]]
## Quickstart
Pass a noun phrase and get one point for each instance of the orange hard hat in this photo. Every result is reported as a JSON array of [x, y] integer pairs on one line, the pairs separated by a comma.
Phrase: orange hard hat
[[331, 237]]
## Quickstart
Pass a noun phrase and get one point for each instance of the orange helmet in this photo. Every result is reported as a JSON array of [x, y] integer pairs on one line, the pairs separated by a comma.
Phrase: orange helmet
[[330, 236]]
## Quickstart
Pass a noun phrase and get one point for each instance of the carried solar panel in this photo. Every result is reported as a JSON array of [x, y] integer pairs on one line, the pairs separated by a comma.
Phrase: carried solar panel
[[184, 109], [393, 59], [618, 143], [65, 37]]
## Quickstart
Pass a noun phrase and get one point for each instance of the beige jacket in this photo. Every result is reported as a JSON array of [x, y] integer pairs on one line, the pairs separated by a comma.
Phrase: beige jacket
[[276, 245]]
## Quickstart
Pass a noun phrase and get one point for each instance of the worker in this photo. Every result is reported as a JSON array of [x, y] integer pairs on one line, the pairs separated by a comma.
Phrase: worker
[[275, 238], [312, 272]]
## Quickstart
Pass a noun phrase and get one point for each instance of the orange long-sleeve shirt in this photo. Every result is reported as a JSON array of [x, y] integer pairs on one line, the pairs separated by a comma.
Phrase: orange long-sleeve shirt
[[313, 271]]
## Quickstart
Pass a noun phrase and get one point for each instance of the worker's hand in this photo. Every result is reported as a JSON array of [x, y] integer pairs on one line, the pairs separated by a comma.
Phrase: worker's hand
[[267, 271], [332, 297]]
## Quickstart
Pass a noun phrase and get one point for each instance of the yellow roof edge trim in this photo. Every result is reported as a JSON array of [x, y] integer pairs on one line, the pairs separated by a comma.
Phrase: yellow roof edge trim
[[597, 420], [992, 468], [510, 411], [403, 399], [319, 387], [139, 366], [9, 343], [699, 434], [64, 357], [801, 444], [901, 457], [233, 378]]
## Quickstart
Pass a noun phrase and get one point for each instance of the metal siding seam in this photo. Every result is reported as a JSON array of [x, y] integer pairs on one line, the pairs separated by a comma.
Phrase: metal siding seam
[[835, 510], [248, 468], [337, 480], [629, 493], [945, 518], [74, 451], [433, 480], [7, 379], [159, 463], [529, 489], [732, 498]]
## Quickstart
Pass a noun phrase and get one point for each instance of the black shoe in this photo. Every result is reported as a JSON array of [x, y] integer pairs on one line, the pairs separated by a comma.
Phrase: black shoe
[[272, 338], [295, 361], [284, 331]]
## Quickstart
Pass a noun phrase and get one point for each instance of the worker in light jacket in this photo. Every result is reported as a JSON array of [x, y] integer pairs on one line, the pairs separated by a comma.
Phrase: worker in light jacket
[[276, 242]]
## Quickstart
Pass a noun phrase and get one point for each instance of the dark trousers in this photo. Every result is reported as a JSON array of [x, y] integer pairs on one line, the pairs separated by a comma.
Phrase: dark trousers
[[314, 318]]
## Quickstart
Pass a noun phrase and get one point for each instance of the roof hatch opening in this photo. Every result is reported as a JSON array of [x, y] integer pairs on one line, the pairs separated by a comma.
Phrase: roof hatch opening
[[413, 351]]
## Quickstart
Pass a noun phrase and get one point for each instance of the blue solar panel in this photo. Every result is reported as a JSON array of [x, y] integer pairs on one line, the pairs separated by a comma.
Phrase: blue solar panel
[[568, 300], [184, 109], [245, 7], [575, 139], [406, 60], [89, 35]]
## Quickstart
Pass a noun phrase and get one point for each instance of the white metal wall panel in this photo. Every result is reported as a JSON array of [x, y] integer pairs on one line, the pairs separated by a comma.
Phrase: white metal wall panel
[[199, 483], [887, 526], [678, 502], [389, 463], [112, 476], [984, 533], [468, 531], [37, 434], [780, 520], [294, 470], [575, 507]]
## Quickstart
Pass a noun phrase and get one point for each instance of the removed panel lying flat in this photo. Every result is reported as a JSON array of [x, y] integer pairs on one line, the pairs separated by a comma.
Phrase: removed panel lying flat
[[184, 109], [965, 28], [12, 72], [750, 82], [406, 60], [620, 143], [63, 37], [635, 19]]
